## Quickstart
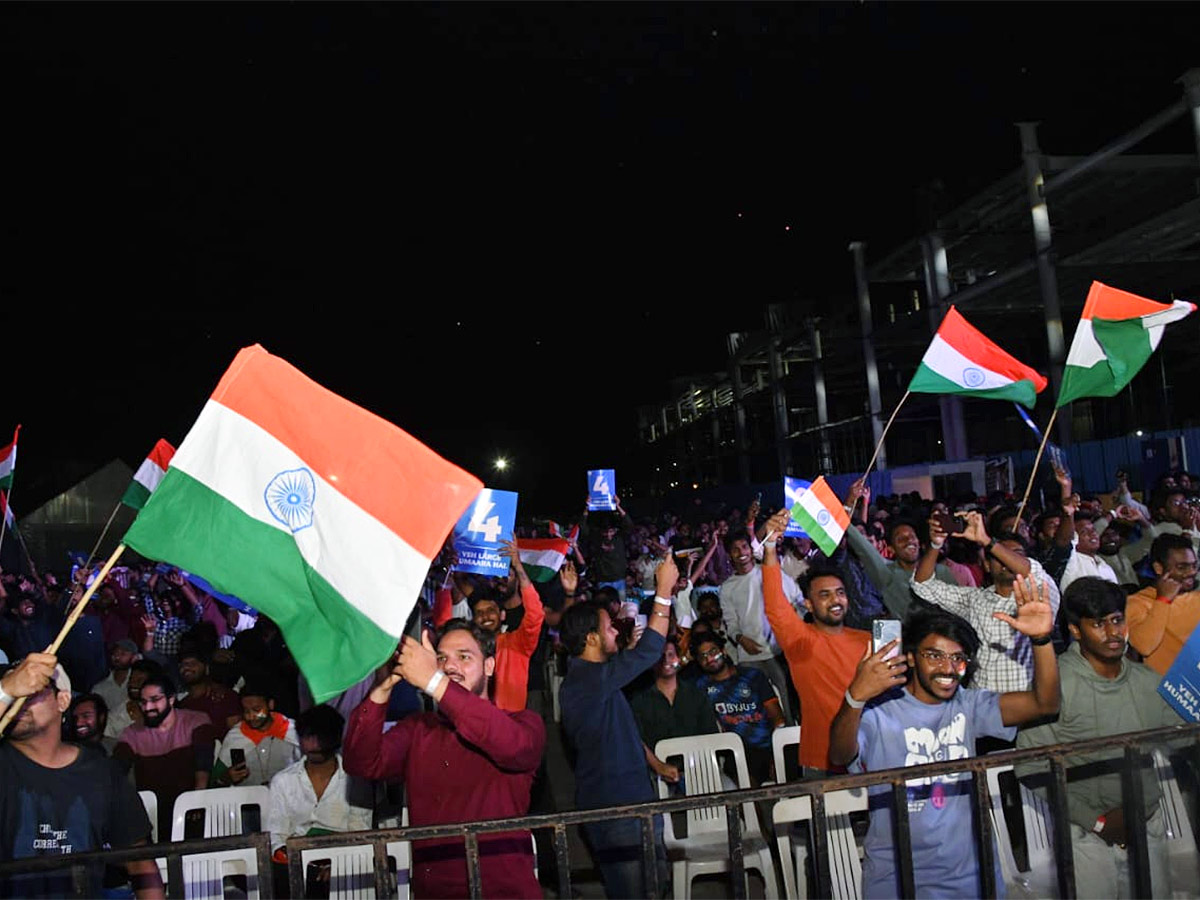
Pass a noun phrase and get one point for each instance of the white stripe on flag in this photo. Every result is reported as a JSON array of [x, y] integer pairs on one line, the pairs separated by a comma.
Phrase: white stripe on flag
[[352, 550]]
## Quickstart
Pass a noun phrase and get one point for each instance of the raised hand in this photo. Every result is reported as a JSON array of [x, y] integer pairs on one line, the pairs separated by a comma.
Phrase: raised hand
[[877, 674], [665, 577], [778, 523], [568, 577], [975, 530], [1035, 616]]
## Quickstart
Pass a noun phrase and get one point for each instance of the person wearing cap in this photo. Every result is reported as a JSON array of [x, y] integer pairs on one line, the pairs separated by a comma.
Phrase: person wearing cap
[[115, 688], [55, 798]]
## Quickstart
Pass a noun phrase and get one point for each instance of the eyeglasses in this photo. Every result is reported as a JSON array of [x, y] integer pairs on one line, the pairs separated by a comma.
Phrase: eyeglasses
[[937, 656], [713, 653]]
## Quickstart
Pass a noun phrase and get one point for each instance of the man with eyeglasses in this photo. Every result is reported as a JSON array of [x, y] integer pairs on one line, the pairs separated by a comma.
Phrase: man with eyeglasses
[[1163, 616], [170, 750], [889, 718], [1005, 657], [1103, 693]]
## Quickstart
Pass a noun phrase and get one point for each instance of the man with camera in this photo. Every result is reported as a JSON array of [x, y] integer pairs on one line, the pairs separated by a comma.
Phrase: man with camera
[[1005, 656]]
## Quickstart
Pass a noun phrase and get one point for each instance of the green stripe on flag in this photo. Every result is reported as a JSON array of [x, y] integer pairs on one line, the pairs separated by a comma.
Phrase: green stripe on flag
[[192, 527], [135, 495], [927, 381], [540, 574], [823, 538]]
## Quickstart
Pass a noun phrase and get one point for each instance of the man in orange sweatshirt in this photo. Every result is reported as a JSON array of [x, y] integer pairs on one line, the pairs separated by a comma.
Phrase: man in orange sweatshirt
[[490, 606], [822, 655]]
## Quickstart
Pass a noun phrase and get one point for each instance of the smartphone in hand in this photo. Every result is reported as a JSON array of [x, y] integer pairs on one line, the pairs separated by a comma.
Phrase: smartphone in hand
[[237, 757], [884, 631]]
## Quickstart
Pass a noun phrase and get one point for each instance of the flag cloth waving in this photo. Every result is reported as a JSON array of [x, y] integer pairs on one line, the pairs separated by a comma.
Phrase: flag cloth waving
[[8, 462], [148, 475], [961, 360], [821, 514], [9, 519], [314, 511], [1116, 334], [542, 557]]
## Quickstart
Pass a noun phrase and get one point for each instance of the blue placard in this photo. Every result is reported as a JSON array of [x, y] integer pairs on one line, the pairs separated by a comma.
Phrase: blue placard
[[602, 488], [1181, 685], [793, 489], [478, 534]]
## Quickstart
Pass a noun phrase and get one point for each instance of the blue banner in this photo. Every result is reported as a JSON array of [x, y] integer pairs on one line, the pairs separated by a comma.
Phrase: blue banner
[[478, 534], [1181, 685], [793, 489], [602, 488]]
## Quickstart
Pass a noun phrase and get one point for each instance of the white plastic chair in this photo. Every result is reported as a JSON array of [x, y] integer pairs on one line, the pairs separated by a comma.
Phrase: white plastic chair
[[150, 804], [204, 873], [352, 869], [705, 849], [783, 742], [1041, 880], [845, 856], [1181, 842]]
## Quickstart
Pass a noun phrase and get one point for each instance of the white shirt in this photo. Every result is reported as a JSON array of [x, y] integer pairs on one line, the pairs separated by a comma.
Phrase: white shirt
[[1081, 565], [744, 613], [294, 809]]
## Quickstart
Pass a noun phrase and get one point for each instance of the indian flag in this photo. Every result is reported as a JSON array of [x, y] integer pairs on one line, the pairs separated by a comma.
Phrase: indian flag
[[314, 511], [821, 514], [148, 475], [1116, 334], [10, 521], [960, 360], [8, 462], [542, 557]]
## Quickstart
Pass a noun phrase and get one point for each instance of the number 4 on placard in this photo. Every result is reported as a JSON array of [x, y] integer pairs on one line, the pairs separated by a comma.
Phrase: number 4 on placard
[[489, 528]]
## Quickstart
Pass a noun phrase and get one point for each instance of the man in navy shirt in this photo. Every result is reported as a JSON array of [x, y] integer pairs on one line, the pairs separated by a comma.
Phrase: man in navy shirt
[[610, 768]]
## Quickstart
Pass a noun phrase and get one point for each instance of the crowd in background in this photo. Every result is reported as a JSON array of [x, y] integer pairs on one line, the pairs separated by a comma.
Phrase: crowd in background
[[679, 624]]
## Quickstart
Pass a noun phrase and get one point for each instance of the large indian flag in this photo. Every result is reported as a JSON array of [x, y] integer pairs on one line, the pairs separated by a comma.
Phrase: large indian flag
[[8, 462], [821, 515], [542, 557], [961, 360], [1116, 334], [314, 511], [149, 475]]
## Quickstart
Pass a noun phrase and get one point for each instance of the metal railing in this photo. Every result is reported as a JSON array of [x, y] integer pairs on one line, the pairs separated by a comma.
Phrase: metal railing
[[175, 851], [1137, 746]]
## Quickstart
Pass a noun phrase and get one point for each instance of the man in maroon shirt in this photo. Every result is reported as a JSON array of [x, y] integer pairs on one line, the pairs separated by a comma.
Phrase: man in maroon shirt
[[468, 761]]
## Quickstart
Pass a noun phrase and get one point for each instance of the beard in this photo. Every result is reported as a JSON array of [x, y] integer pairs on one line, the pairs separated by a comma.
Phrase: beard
[[154, 719]]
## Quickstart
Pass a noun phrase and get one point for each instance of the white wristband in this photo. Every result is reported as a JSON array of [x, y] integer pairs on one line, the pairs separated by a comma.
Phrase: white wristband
[[434, 681], [852, 703], [6, 699], [661, 601]]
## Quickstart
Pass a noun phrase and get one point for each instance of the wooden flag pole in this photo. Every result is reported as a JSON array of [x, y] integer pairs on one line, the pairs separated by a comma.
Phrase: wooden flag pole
[[100, 539], [1036, 460], [67, 625], [882, 436], [4, 515]]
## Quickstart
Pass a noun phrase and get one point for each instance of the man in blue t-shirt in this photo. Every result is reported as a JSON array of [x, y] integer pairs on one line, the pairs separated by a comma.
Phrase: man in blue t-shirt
[[598, 722], [743, 701], [929, 717]]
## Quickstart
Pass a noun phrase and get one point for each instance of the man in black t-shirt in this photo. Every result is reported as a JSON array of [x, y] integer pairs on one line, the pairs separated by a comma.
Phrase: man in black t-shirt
[[56, 798]]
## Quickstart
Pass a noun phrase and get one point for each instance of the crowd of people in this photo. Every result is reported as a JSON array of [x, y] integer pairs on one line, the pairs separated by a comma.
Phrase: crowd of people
[[1016, 630]]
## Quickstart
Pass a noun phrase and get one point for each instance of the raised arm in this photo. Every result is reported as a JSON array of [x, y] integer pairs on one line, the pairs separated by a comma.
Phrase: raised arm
[[785, 623], [874, 676], [1034, 619]]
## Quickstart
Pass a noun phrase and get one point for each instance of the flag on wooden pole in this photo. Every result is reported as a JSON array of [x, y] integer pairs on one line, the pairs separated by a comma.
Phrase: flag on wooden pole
[[148, 475], [962, 360], [1116, 335], [314, 511]]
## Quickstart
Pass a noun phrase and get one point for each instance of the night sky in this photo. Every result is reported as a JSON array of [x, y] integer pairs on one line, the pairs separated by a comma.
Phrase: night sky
[[498, 226]]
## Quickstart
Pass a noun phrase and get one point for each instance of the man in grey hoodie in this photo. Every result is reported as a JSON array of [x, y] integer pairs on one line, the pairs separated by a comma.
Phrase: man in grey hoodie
[[1103, 693]]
